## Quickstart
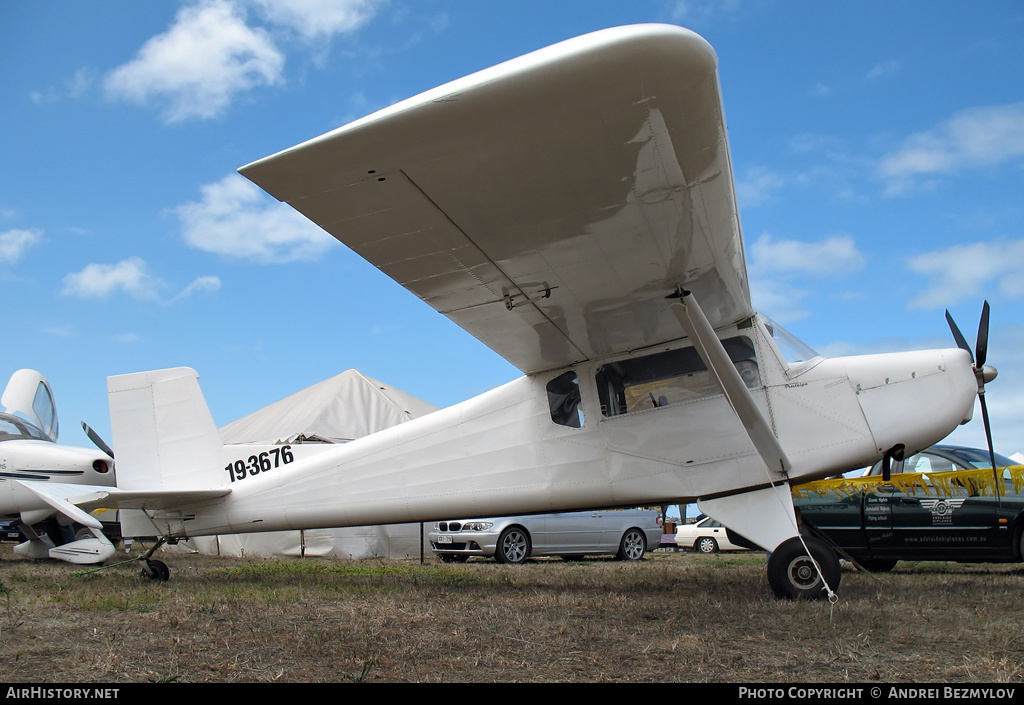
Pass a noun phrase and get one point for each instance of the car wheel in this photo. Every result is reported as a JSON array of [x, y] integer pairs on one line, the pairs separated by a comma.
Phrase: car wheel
[[706, 544], [793, 575], [632, 546], [513, 545]]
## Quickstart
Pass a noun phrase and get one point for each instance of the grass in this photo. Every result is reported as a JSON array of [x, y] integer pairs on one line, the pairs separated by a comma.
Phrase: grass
[[672, 617]]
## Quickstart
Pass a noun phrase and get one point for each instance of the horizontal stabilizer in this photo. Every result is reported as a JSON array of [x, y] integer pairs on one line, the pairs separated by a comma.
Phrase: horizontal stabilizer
[[75, 501], [58, 495]]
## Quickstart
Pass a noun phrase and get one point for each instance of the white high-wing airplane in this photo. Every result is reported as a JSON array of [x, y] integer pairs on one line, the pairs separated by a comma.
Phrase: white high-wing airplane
[[31, 459], [574, 209]]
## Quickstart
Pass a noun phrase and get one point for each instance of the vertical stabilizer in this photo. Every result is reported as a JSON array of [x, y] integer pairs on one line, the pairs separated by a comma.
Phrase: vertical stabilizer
[[163, 433]]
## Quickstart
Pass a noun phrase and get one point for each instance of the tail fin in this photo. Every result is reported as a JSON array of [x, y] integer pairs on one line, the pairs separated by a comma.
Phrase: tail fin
[[163, 433]]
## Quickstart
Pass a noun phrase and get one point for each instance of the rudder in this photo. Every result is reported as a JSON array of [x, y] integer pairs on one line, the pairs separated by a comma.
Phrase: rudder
[[163, 433]]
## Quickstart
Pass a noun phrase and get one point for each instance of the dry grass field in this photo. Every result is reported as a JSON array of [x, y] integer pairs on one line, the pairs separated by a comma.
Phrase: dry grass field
[[674, 617]]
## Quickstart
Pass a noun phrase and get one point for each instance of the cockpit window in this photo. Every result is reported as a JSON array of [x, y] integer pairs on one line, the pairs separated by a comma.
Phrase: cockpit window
[[670, 377], [13, 429], [792, 348], [46, 410], [564, 400]]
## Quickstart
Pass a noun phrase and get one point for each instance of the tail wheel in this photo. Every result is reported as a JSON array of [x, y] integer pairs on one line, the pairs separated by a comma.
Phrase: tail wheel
[[156, 570], [793, 574]]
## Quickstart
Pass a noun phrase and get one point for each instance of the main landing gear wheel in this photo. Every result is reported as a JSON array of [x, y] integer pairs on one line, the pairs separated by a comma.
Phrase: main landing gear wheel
[[793, 575], [155, 570], [513, 545]]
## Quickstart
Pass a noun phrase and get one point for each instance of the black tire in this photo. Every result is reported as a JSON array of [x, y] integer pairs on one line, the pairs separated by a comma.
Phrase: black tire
[[156, 570], [513, 545], [793, 575], [632, 546], [705, 544]]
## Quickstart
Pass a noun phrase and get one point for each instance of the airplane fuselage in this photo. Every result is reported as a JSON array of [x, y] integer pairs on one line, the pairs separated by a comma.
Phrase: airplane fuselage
[[43, 461], [648, 428]]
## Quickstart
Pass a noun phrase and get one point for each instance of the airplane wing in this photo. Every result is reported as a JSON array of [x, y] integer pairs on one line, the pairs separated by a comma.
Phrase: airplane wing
[[547, 205]]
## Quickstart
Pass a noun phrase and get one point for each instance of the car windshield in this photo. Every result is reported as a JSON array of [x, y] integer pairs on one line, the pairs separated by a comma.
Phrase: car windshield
[[927, 462], [979, 458]]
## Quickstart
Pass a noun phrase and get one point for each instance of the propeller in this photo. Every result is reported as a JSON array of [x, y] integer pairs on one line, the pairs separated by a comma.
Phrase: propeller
[[984, 373], [95, 438]]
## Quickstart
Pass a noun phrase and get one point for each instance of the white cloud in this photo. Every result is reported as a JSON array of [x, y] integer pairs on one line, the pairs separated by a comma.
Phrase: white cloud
[[237, 220], [130, 276], [15, 243], [210, 54], [97, 281], [195, 68], [779, 268], [61, 331], [781, 301], [833, 255], [318, 18], [882, 69], [202, 285], [696, 12], [976, 138], [965, 271], [75, 87], [758, 186]]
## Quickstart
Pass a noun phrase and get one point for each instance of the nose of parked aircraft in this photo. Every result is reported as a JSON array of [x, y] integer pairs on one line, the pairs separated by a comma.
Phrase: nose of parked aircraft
[[914, 398]]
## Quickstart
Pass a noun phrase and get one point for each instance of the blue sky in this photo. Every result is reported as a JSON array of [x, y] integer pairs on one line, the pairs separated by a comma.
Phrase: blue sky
[[878, 150]]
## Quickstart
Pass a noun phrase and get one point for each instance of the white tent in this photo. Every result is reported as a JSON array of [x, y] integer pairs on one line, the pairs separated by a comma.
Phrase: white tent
[[342, 408], [337, 410]]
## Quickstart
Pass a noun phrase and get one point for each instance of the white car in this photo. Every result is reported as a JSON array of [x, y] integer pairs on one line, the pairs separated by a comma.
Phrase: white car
[[625, 534], [705, 536]]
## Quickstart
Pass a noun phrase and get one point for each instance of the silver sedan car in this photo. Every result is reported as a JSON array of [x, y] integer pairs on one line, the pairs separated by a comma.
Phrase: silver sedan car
[[625, 534]]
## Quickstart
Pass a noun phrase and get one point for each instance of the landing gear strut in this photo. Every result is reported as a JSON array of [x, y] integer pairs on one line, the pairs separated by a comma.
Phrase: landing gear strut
[[793, 574]]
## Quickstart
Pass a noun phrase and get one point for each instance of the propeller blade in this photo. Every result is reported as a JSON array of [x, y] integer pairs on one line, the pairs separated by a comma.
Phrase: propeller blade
[[991, 449], [982, 347], [961, 342], [95, 438]]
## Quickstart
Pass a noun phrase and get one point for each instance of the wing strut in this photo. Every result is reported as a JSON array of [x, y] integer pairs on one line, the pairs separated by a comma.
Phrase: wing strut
[[797, 566], [715, 357]]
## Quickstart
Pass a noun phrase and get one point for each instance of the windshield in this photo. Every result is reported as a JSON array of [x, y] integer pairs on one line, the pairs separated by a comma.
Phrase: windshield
[[791, 347], [12, 429], [979, 458]]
